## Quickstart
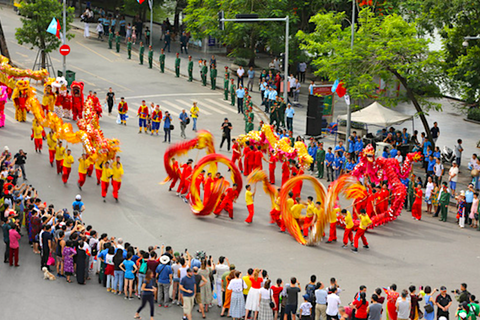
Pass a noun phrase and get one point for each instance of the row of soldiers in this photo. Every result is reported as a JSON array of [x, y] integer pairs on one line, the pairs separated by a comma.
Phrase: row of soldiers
[[228, 90]]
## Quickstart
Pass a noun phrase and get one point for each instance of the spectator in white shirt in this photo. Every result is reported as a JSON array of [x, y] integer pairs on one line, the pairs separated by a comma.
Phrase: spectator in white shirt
[[302, 67], [333, 301], [399, 157], [291, 83], [240, 73], [438, 169]]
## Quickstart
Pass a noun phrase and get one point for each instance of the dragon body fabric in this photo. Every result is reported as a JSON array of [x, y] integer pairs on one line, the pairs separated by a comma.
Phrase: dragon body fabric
[[381, 169]]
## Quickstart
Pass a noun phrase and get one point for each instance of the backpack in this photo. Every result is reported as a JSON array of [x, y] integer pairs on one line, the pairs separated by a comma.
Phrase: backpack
[[143, 266], [76, 207], [310, 291]]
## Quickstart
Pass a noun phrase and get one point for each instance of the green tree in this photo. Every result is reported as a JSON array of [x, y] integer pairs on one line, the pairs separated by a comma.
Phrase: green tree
[[454, 20], [37, 15], [386, 48]]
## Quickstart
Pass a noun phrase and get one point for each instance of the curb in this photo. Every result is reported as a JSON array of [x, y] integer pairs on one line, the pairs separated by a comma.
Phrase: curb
[[472, 121]]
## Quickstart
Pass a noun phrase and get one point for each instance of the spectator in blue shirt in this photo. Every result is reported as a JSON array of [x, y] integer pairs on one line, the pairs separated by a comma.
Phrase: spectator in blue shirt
[[351, 145], [329, 158], [358, 147], [436, 153], [289, 113], [393, 153], [430, 165], [340, 149], [164, 275], [385, 153], [312, 151], [405, 136], [167, 121], [349, 166], [338, 165], [240, 95], [426, 154]]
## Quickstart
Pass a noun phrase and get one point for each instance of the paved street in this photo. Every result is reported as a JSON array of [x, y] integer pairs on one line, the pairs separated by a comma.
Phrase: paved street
[[405, 252]]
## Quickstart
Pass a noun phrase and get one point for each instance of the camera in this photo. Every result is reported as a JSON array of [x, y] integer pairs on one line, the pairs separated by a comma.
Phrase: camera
[[456, 291]]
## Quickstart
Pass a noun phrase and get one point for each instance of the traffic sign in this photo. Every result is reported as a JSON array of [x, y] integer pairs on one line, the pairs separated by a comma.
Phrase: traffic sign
[[64, 49]]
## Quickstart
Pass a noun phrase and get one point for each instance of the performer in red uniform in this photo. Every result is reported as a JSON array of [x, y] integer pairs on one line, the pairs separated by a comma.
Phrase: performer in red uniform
[[370, 207], [207, 187], [249, 161], [297, 188], [175, 168], [186, 177], [231, 195], [383, 196], [77, 100], [258, 164], [275, 212], [285, 172], [67, 105], [198, 181], [236, 154], [272, 163]]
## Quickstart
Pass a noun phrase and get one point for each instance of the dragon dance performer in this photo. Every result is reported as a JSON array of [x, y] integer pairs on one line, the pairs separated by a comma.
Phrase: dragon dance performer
[[332, 236], [348, 234], [186, 178], [52, 144], [272, 163], [117, 169], [310, 216], [156, 120], [107, 174], [249, 197], [98, 171], [230, 196], [365, 222], [175, 179], [67, 166], [59, 153], [236, 154], [285, 172], [37, 136], [83, 163], [207, 186]]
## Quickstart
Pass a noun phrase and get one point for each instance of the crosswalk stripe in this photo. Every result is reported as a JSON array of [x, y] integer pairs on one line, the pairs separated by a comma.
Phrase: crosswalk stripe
[[221, 105], [173, 106], [134, 112], [199, 105], [206, 105]]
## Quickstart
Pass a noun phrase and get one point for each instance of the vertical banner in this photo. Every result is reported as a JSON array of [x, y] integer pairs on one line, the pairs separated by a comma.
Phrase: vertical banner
[[328, 104]]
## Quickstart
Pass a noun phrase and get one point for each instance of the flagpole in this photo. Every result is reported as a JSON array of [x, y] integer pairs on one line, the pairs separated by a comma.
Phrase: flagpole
[[150, 2], [64, 39]]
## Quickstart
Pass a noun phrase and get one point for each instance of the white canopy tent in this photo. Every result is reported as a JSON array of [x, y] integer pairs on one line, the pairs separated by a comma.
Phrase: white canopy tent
[[377, 115]]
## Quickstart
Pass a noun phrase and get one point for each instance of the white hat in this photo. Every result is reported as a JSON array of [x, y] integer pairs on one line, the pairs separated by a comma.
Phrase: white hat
[[78, 197], [462, 193], [6, 148], [164, 259]]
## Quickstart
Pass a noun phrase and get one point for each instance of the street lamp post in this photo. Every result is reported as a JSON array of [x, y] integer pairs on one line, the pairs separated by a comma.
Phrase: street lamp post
[[287, 21], [349, 110], [150, 2], [465, 43], [64, 38]]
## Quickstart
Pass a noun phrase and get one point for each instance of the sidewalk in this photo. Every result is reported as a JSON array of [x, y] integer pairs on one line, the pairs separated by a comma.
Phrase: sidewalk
[[261, 60]]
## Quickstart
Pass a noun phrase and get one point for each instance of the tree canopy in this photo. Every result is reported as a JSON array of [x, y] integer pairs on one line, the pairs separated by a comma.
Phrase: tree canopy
[[386, 48], [37, 15]]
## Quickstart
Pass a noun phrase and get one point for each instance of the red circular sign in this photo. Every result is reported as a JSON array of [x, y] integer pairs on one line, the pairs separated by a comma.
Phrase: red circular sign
[[64, 49]]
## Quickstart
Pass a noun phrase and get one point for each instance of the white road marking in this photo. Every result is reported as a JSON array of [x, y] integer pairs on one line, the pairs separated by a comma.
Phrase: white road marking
[[173, 105], [172, 95], [221, 105], [199, 105]]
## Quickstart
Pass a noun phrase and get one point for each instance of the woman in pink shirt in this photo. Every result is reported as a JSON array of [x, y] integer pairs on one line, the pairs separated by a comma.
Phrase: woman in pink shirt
[[14, 237]]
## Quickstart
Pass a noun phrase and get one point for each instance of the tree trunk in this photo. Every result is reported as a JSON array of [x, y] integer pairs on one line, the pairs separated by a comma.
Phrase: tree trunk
[[43, 57], [3, 44], [251, 63], [411, 96]]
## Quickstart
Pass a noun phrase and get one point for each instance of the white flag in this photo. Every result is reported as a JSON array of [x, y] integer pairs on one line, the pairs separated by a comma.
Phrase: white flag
[[347, 99]]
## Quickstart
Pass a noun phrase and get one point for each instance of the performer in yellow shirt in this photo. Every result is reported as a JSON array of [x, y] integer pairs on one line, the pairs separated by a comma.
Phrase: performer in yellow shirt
[[83, 164], [365, 222], [194, 111], [67, 166], [249, 195], [311, 213], [59, 153], [333, 226], [117, 169], [107, 174], [348, 234], [37, 136], [98, 170], [52, 144]]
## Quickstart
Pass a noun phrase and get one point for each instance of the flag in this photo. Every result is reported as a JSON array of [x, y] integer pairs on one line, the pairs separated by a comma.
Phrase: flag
[[140, 1], [339, 88], [54, 28]]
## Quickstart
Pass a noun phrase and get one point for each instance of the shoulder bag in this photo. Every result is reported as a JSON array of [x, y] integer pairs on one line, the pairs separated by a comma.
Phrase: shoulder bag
[[272, 304]]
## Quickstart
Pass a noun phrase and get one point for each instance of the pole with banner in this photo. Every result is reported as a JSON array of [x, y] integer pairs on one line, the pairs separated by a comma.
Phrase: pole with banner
[[64, 38], [150, 2]]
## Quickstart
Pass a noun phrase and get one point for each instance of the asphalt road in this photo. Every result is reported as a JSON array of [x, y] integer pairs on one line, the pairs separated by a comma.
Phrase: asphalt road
[[403, 252]]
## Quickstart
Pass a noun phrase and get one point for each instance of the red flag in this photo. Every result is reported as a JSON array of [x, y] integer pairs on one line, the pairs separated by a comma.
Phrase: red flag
[[341, 91], [58, 30], [140, 1]]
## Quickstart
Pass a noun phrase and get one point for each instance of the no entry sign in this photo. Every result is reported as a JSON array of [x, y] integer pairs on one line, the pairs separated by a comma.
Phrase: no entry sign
[[64, 49]]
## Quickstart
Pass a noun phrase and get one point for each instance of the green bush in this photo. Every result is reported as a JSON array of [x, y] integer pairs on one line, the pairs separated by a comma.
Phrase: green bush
[[240, 62], [473, 114]]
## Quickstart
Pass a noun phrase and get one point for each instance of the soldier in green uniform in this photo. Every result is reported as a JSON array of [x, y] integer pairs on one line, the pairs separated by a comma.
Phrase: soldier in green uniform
[[129, 48], [117, 42], [320, 160], [150, 57], [225, 87], [249, 114], [232, 91], [110, 39], [213, 77], [141, 52], [204, 73], [227, 75], [177, 66], [411, 192], [273, 114], [444, 201], [190, 69], [248, 126], [161, 59]]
